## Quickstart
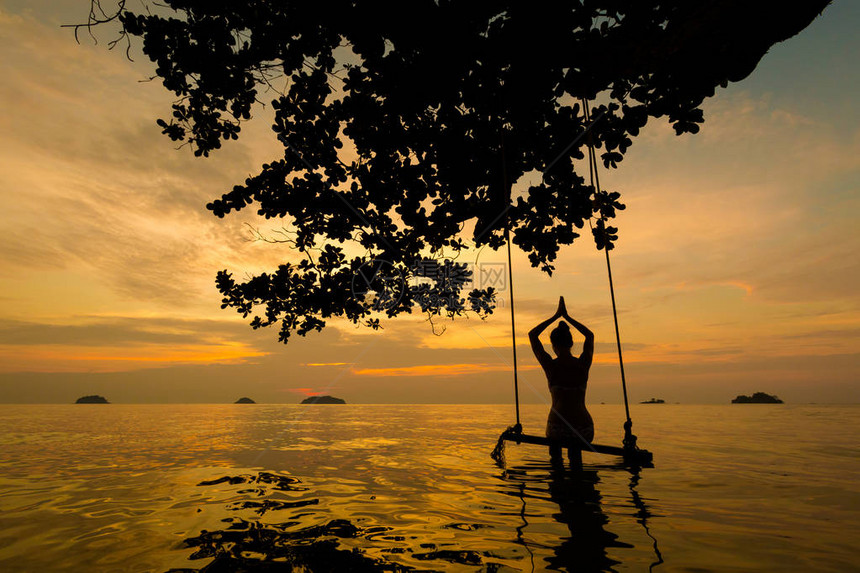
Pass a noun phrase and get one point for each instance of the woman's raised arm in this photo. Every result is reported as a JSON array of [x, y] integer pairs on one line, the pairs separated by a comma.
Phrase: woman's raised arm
[[542, 355], [588, 346]]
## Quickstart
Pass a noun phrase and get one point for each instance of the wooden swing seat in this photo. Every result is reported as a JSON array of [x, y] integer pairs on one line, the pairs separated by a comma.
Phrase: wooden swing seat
[[634, 456]]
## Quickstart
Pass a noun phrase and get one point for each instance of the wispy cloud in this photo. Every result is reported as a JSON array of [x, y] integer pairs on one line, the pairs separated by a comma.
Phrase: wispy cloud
[[106, 358], [442, 370], [304, 391], [114, 344]]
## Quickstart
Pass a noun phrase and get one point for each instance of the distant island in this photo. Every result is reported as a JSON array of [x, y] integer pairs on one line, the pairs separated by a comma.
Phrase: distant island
[[244, 400], [757, 398], [92, 400], [654, 401], [323, 400]]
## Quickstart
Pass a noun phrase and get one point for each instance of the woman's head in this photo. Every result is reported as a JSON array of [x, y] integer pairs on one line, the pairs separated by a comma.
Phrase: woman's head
[[560, 338]]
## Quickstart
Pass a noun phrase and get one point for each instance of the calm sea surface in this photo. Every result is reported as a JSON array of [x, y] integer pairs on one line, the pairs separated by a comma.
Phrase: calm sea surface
[[394, 487]]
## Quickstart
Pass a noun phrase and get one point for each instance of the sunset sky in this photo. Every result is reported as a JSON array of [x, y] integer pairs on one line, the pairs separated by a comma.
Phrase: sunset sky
[[736, 269]]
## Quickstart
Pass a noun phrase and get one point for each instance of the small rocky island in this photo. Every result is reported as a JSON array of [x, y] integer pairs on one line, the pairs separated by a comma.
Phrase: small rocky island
[[757, 398], [92, 400], [654, 401], [323, 400], [244, 400]]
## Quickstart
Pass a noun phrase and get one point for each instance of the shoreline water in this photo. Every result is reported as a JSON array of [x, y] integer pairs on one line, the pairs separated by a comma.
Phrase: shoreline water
[[351, 403], [732, 488]]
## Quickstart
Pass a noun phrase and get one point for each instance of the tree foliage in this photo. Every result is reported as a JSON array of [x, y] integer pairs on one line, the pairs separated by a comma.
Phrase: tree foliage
[[405, 125]]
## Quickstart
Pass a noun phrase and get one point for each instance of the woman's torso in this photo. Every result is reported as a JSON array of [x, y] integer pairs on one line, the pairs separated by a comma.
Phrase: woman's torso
[[568, 379]]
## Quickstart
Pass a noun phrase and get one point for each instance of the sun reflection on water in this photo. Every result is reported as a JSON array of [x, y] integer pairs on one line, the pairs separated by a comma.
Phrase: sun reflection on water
[[147, 488]]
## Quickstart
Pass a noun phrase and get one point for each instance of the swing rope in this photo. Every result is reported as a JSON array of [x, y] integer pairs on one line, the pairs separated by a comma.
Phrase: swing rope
[[507, 191], [515, 431], [629, 440], [513, 327]]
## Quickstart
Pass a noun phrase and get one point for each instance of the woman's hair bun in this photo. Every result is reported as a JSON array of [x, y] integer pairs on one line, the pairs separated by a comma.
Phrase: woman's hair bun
[[561, 336]]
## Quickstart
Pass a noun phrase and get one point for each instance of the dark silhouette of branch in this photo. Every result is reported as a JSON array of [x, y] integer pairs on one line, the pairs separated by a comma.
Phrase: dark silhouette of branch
[[438, 109]]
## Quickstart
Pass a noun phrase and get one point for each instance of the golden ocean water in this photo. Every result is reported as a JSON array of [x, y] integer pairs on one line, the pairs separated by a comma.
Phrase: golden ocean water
[[412, 487]]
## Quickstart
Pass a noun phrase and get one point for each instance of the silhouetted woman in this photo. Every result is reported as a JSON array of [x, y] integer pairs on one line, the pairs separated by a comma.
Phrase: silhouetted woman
[[567, 377]]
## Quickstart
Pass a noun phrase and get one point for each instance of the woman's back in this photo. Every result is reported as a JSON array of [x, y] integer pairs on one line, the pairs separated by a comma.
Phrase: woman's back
[[568, 380], [567, 372]]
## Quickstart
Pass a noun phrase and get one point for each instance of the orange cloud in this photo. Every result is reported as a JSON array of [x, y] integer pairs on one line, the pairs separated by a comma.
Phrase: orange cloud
[[687, 285], [303, 391], [68, 358], [437, 370]]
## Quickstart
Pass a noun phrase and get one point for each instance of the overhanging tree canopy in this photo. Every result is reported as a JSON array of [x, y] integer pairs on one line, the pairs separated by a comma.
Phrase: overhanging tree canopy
[[405, 125]]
